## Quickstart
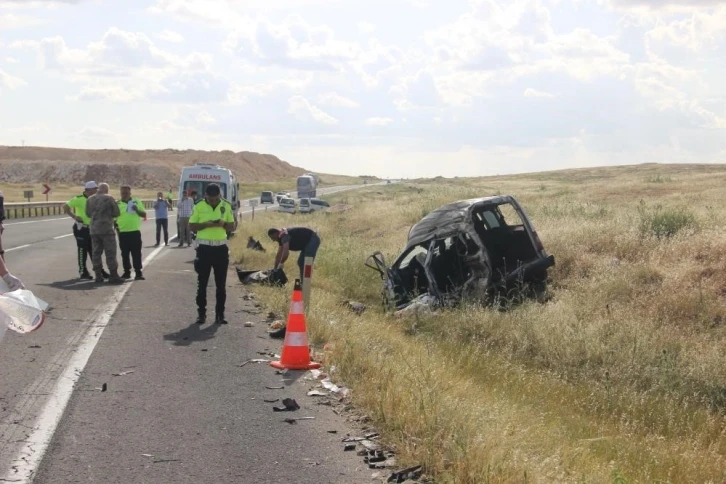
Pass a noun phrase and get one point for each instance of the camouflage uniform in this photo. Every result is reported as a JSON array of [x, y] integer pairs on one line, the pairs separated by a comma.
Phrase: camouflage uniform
[[103, 209]]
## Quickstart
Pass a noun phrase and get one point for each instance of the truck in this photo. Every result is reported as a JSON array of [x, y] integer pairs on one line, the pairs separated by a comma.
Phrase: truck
[[196, 179], [307, 185]]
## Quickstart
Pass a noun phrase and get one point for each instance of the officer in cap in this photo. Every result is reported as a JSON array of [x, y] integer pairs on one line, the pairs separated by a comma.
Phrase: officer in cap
[[211, 219]]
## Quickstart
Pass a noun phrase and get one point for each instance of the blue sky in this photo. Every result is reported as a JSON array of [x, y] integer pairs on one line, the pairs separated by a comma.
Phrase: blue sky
[[395, 88]]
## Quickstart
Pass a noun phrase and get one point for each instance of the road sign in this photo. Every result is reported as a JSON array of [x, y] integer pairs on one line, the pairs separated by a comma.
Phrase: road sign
[[253, 202], [46, 190], [28, 194]]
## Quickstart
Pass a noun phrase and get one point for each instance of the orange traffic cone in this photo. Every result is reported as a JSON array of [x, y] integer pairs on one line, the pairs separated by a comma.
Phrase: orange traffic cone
[[295, 352]]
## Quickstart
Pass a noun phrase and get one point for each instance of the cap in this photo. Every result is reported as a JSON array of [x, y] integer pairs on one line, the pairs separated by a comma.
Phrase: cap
[[90, 185]]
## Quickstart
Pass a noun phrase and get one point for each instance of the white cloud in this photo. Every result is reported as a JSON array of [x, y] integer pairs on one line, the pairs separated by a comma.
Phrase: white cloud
[[497, 85], [10, 21], [170, 36], [292, 44], [530, 92], [336, 100], [302, 109], [10, 82], [378, 121], [366, 27]]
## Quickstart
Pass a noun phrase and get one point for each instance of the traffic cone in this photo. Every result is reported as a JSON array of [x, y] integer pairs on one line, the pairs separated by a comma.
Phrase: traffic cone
[[295, 352]]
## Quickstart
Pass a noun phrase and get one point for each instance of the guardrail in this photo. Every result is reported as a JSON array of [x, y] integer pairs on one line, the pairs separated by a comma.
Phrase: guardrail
[[43, 209]]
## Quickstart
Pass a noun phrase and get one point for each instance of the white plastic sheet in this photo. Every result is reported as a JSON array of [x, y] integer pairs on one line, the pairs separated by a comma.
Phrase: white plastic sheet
[[20, 311]]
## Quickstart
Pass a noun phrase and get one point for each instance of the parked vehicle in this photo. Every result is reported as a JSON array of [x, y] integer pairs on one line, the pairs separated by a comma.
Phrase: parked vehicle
[[305, 206], [197, 177], [466, 249], [309, 205], [282, 195], [287, 205], [318, 204], [267, 197]]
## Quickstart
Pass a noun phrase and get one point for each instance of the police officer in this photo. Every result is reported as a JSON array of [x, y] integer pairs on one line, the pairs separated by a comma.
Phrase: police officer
[[211, 219], [128, 225], [75, 208]]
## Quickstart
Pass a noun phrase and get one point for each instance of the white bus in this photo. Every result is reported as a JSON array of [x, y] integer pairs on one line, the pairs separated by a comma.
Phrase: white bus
[[196, 178]]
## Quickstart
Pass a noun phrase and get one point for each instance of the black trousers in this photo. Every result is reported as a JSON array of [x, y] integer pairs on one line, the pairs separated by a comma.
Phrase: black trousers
[[85, 248], [162, 223], [130, 245], [208, 258]]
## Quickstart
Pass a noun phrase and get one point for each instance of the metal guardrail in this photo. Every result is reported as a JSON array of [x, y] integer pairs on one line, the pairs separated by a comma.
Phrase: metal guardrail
[[43, 209]]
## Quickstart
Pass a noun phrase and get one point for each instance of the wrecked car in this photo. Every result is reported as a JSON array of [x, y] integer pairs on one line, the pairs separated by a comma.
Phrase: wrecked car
[[465, 249]]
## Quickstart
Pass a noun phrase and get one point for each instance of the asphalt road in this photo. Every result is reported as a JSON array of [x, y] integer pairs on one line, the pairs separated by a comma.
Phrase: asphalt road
[[185, 412]]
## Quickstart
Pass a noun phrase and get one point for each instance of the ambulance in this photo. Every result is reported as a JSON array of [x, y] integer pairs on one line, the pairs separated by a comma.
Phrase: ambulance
[[196, 178]]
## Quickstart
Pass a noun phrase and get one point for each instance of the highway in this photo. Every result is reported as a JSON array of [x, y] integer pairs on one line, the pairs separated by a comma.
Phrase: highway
[[120, 385]]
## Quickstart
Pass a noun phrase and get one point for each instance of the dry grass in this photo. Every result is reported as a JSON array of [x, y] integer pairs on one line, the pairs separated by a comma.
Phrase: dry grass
[[619, 377]]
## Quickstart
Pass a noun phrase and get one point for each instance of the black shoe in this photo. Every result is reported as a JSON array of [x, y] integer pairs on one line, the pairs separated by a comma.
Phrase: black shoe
[[156, 244], [126, 275], [202, 318], [105, 274], [139, 277], [220, 320], [86, 275]]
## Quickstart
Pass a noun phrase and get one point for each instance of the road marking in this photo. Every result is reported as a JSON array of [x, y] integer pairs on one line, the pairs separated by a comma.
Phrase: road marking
[[62, 236], [28, 459], [36, 221], [18, 247]]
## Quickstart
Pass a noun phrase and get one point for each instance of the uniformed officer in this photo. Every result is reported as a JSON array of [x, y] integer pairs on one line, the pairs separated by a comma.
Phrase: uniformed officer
[[211, 219], [128, 225], [75, 208]]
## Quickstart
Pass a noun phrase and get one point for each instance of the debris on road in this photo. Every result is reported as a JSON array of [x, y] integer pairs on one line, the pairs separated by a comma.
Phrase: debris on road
[[349, 447], [274, 388], [290, 405], [293, 420], [249, 324], [411, 473], [254, 360], [316, 393], [123, 373], [271, 401], [268, 277]]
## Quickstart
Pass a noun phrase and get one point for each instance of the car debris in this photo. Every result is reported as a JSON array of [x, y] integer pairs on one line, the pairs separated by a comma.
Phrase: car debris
[[468, 249], [254, 244], [270, 277], [355, 306]]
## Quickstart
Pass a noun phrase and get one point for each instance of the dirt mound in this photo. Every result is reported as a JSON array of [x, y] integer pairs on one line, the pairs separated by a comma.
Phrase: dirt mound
[[140, 168]]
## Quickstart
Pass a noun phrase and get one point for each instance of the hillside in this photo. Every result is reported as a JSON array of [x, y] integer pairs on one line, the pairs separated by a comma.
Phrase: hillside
[[140, 168]]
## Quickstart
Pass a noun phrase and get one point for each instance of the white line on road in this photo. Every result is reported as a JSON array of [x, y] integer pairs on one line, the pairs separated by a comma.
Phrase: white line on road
[[18, 247], [36, 221], [26, 463], [62, 236]]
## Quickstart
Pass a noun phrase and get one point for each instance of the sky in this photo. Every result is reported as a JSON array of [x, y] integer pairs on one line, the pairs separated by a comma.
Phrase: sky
[[392, 88]]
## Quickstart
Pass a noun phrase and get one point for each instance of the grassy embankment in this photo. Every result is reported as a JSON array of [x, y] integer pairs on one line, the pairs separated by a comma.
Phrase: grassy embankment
[[620, 377]]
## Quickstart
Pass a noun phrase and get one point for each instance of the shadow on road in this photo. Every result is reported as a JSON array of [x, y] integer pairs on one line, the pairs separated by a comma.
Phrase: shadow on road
[[73, 285], [192, 333]]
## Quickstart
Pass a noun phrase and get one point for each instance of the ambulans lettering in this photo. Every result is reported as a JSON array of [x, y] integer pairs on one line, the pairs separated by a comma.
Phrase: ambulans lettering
[[204, 176]]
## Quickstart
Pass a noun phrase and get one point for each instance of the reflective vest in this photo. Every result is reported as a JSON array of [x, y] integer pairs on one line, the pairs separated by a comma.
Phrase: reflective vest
[[78, 204], [129, 221], [203, 212]]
